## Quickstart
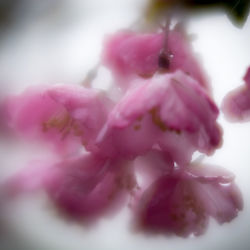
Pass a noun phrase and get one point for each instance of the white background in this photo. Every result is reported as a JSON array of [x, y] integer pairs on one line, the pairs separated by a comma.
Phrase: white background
[[61, 44]]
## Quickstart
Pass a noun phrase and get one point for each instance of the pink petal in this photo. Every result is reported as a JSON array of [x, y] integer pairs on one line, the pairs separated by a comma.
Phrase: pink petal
[[181, 202], [128, 141], [171, 111], [87, 107], [65, 116], [209, 173], [217, 191], [90, 187], [170, 206], [85, 187], [129, 54], [236, 104]]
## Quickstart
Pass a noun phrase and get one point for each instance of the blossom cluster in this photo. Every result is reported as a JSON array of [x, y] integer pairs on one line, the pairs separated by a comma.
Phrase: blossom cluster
[[136, 150], [236, 105]]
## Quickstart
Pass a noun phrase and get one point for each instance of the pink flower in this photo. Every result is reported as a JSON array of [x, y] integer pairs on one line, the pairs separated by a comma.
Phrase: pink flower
[[129, 54], [169, 111], [236, 104], [85, 187], [66, 116], [139, 148], [181, 203]]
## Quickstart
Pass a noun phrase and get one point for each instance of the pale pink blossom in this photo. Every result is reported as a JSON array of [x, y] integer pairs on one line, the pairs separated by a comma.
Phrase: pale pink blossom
[[236, 104], [84, 188], [139, 149], [168, 111], [66, 116], [182, 202], [129, 54]]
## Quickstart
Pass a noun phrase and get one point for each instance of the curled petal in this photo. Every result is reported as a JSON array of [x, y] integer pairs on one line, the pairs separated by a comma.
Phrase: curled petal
[[181, 203], [236, 104], [127, 141], [65, 116], [210, 173], [221, 201], [81, 188], [169, 206], [171, 111], [217, 190], [129, 54], [88, 108]]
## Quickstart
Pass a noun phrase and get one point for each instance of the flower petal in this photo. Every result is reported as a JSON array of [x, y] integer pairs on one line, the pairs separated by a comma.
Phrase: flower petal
[[171, 111], [85, 187], [64, 116], [88, 108], [129, 54], [182, 201], [217, 191], [236, 104], [170, 206]]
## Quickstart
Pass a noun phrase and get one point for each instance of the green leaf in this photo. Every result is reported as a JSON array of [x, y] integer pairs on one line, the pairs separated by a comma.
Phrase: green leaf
[[237, 10]]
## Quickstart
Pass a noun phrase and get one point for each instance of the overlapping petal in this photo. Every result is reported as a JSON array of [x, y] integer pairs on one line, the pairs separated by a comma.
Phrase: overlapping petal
[[181, 203], [236, 105], [170, 111], [66, 116], [85, 187], [140, 147], [129, 54]]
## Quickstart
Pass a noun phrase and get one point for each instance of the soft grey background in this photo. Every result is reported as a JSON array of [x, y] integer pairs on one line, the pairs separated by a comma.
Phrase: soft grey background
[[59, 41]]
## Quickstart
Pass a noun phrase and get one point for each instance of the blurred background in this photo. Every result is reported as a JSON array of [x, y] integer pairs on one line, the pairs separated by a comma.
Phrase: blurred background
[[59, 41]]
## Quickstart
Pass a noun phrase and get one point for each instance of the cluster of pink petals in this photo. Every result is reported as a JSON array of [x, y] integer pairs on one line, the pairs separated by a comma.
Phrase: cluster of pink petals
[[64, 116], [170, 111], [129, 55], [83, 187], [236, 105], [138, 149], [181, 201]]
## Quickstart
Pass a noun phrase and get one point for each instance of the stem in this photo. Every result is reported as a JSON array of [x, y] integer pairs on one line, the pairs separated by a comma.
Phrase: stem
[[91, 74], [164, 55]]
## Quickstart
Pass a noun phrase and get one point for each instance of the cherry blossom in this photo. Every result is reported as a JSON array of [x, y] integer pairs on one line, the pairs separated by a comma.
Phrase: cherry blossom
[[236, 105], [171, 111], [135, 151], [84, 187], [65, 116], [182, 202], [129, 54]]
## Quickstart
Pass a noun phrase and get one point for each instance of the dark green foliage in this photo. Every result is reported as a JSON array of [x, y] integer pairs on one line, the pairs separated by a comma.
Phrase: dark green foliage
[[236, 9]]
